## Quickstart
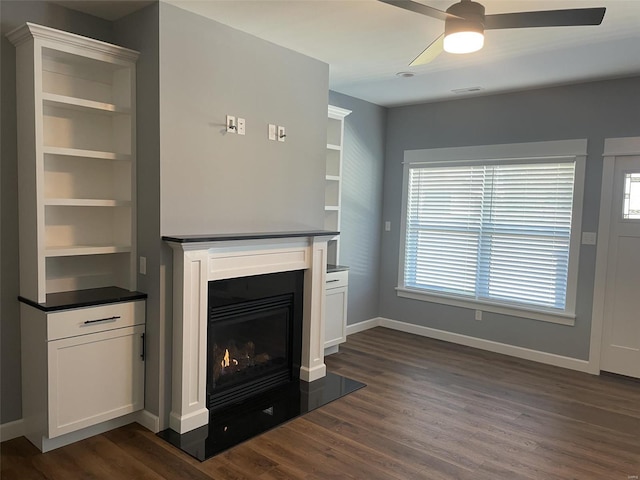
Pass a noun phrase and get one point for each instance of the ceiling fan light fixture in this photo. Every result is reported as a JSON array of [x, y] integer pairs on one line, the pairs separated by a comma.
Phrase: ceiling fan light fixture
[[463, 42], [464, 34]]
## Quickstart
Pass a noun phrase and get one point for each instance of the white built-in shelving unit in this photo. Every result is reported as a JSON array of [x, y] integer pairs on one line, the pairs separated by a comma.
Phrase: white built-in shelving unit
[[76, 162], [337, 278], [333, 178], [82, 322]]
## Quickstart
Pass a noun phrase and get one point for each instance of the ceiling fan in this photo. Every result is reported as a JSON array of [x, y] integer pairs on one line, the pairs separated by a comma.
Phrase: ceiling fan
[[465, 23]]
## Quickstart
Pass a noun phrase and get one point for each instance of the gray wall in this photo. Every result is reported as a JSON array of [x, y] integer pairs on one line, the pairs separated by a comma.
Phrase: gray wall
[[140, 31], [212, 181], [592, 110], [12, 15], [361, 209]]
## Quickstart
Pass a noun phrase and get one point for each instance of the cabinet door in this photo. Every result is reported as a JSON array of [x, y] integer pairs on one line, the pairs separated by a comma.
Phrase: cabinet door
[[94, 378], [335, 316]]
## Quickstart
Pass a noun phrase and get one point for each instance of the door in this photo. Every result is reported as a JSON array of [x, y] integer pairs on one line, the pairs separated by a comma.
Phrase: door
[[335, 316], [94, 378], [621, 328]]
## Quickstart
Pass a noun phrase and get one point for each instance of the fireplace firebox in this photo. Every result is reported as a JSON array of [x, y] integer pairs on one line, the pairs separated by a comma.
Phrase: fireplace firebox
[[254, 335]]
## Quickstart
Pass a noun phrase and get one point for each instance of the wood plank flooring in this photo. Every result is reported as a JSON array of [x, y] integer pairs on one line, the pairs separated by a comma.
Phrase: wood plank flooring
[[431, 410]]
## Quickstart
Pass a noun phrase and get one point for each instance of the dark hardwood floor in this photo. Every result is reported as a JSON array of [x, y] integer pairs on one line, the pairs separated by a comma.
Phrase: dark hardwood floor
[[431, 410]]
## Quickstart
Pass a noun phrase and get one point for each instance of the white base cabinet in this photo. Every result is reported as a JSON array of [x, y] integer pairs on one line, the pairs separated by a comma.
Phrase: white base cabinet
[[335, 321], [80, 367]]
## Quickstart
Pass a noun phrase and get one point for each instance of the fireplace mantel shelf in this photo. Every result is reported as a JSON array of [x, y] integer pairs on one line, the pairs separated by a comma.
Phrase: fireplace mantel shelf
[[226, 237]]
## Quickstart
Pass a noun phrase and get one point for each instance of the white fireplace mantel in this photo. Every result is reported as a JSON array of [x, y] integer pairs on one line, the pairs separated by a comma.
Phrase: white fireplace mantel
[[200, 259]]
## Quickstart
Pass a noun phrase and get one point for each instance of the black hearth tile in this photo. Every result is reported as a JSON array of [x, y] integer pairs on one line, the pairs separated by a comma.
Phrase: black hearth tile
[[231, 426]]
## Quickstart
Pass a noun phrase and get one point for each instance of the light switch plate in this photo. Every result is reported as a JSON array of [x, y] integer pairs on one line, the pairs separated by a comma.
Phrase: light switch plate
[[282, 134], [231, 124]]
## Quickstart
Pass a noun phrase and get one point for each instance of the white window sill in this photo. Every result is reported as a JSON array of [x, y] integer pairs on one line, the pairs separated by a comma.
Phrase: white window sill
[[522, 312]]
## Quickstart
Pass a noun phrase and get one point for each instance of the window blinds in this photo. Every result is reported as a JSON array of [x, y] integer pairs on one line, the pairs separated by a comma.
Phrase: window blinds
[[492, 232]]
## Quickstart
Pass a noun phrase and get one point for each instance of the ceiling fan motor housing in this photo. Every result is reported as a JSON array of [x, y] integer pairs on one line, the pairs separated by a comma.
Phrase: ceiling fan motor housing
[[471, 18]]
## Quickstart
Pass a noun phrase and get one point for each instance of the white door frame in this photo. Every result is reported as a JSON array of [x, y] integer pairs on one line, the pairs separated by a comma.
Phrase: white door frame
[[613, 147]]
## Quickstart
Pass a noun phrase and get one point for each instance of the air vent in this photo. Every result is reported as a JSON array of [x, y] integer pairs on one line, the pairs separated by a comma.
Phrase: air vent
[[466, 90]]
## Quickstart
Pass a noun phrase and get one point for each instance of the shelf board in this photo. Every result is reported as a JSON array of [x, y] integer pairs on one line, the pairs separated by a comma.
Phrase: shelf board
[[76, 152], [334, 178], [331, 208], [76, 103], [86, 202], [75, 250], [331, 146]]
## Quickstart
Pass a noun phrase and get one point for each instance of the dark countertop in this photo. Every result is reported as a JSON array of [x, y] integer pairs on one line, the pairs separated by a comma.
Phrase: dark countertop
[[336, 268], [226, 237], [84, 298]]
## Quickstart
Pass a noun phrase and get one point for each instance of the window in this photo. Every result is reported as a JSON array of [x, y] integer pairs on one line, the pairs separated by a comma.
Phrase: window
[[631, 201], [493, 231]]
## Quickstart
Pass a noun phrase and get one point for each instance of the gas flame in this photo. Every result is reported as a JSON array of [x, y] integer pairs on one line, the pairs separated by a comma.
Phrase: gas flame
[[226, 360]]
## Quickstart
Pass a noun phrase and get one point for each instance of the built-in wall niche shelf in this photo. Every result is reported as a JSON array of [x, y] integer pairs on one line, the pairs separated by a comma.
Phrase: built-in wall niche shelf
[[85, 202], [77, 162], [76, 152], [86, 75], [333, 178], [79, 268], [71, 226], [334, 160], [86, 129], [74, 103], [85, 250]]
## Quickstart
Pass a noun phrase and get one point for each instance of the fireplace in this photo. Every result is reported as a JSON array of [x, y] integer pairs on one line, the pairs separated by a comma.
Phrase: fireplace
[[254, 335], [210, 275], [200, 259]]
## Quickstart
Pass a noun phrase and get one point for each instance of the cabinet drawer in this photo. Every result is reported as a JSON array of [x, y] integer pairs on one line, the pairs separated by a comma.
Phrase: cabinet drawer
[[82, 321], [337, 279]]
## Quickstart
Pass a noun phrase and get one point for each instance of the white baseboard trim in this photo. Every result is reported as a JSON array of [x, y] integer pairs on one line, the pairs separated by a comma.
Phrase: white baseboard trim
[[489, 345], [15, 429], [149, 421], [47, 444], [11, 430], [362, 326]]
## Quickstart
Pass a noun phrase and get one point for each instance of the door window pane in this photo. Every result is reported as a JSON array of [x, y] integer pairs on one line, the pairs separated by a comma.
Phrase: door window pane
[[631, 200]]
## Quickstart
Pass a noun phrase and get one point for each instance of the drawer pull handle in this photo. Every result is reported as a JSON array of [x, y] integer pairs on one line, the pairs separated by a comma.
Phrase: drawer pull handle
[[108, 319], [331, 281]]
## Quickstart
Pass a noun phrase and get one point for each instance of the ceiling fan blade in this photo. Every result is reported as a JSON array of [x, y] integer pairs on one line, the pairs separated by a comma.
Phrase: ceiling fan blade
[[545, 18], [429, 53], [420, 8]]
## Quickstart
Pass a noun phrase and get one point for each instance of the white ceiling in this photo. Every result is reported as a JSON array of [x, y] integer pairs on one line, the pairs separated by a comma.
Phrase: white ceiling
[[367, 42]]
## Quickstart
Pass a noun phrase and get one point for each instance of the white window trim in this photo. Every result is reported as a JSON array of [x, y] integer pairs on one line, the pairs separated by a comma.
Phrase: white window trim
[[575, 149]]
